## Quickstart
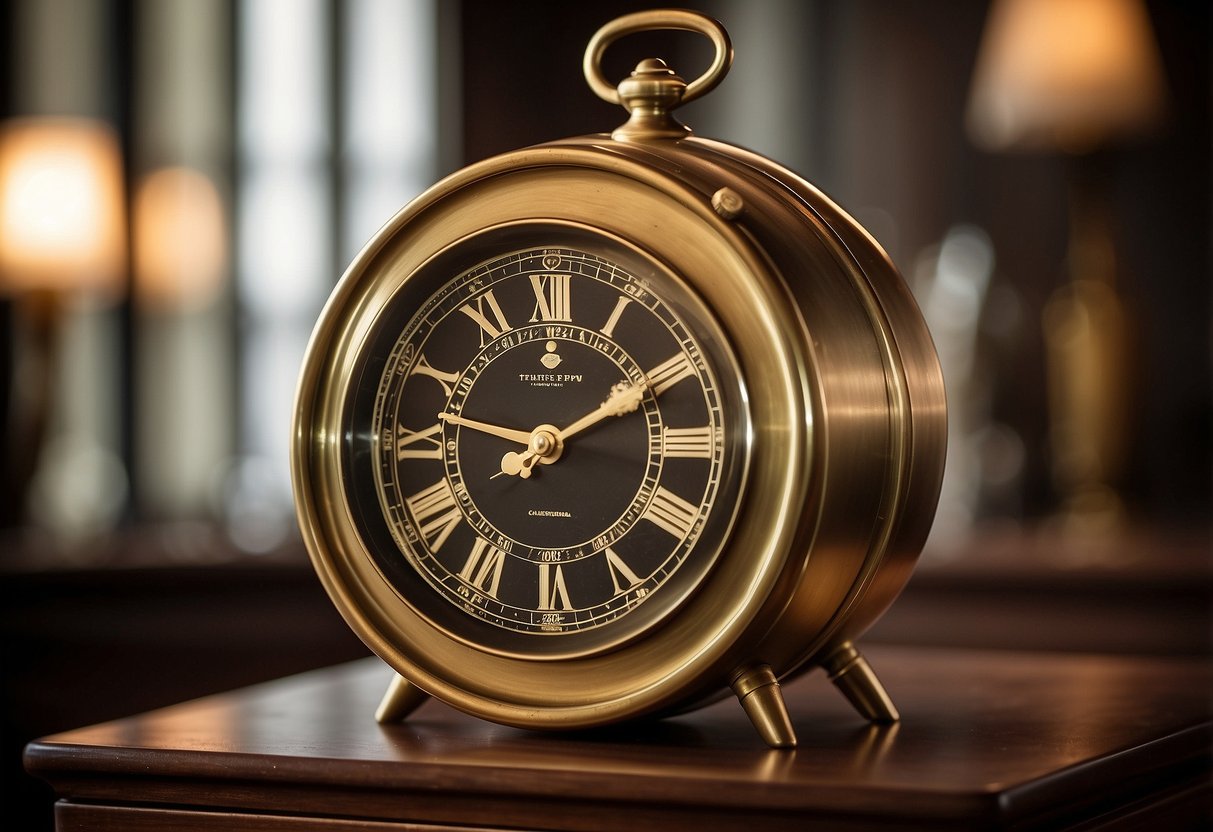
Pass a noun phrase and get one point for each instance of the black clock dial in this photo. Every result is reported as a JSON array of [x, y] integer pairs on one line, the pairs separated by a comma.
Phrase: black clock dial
[[547, 437]]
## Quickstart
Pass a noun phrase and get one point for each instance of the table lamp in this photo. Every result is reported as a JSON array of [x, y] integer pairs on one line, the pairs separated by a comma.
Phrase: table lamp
[[1073, 76], [62, 233]]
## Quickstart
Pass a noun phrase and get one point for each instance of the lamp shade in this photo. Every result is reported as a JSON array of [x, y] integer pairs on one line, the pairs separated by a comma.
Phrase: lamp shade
[[62, 213], [1064, 74], [180, 250]]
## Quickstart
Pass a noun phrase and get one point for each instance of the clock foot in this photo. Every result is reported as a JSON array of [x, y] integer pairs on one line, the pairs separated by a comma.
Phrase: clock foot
[[758, 691], [401, 699], [851, 674]]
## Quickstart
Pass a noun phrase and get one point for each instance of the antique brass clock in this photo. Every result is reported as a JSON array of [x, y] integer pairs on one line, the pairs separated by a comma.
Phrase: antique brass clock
[[612, 426]]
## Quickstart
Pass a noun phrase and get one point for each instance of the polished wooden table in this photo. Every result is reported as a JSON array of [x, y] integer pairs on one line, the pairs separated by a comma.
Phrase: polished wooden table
[[987, 740]]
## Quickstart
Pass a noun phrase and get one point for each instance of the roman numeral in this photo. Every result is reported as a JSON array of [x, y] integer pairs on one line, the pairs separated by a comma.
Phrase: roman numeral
[[608, 328], [551, 297], [483, 567], [447, 380], [671, 512], [553, 591], [423, 444], [622, 576], [489, 329], [668, 373], [435, 512], [690, 443]]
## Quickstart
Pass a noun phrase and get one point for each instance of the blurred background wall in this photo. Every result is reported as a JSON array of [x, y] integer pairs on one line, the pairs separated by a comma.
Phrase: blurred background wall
[[182, 182]]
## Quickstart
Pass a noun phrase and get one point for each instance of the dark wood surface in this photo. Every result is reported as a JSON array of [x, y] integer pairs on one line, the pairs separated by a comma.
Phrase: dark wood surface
[[987, 740]]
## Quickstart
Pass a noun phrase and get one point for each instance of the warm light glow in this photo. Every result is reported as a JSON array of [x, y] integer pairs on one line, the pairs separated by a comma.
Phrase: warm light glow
[[61, 206], [180, 240], [1064, 74]]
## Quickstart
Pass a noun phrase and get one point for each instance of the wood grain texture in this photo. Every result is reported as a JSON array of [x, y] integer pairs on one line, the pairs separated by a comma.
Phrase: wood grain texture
[[986, 740]]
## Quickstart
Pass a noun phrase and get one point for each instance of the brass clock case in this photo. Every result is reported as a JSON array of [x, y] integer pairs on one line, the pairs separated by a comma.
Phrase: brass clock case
[[838, 428]]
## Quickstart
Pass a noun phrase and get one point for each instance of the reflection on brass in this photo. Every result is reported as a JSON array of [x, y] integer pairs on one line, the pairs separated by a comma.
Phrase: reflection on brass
[[851, 674], [775, 765], [401, 699], [835, 422], [874, 743], [758, 691]]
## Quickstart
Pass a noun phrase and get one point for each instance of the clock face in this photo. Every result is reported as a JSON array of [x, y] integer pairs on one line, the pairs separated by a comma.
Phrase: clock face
[[546, 445]]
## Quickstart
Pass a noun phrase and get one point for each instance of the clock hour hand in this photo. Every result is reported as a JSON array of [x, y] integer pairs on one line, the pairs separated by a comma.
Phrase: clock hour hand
[[543, 446], [522, 437], [516, 464]]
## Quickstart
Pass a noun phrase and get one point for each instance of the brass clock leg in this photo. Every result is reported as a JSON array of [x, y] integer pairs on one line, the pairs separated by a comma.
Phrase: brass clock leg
[[758, 691], [401, 699], [851, 674]]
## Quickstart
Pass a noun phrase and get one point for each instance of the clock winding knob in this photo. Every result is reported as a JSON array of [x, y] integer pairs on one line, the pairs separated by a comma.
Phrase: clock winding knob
[[649, 94]]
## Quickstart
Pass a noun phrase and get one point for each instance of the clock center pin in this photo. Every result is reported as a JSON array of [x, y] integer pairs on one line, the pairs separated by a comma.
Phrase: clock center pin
[[542, 443]]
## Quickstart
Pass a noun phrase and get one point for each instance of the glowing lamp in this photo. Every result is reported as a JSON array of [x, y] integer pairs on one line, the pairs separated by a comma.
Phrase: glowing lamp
[[180, 242], [1064, 74], [61, 206]]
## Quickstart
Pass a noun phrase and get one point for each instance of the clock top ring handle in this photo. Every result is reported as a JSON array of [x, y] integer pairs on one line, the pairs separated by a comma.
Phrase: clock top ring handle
[[652, 91]]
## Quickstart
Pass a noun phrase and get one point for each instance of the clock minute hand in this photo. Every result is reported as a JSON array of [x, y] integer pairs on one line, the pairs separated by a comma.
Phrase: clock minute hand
[[522, 437], [623, 399]]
